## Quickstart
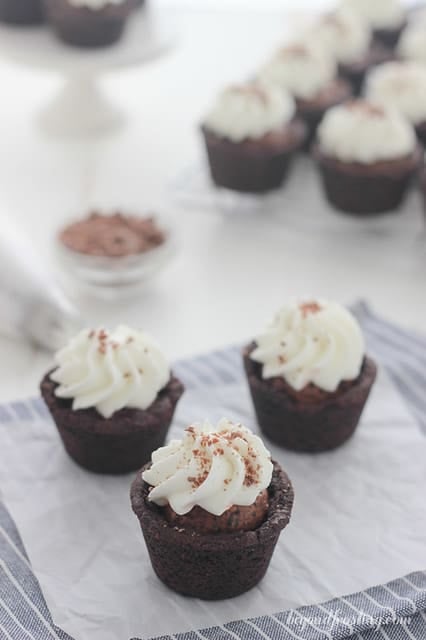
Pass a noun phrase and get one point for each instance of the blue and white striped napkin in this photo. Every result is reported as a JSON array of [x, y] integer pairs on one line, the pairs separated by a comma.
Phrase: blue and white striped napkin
[[394, 611]]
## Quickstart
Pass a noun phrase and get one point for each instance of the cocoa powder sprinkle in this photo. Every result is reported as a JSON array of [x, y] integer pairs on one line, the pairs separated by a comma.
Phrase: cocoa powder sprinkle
[[251, 90], [295, 49], [211, 441], [368, 108], [309, 307], [112, 236]]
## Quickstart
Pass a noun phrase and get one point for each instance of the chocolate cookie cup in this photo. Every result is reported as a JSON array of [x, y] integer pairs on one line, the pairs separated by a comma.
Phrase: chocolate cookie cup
[[366, 189], [251, 135], [212, 566], [367, 155], [254, 165], [312, 420], [120, 444], [83, 26], [309, 375], [21, 12], [112, 397]]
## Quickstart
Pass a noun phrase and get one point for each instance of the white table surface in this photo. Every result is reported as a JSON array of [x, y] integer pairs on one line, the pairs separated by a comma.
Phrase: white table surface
[[232, 272]]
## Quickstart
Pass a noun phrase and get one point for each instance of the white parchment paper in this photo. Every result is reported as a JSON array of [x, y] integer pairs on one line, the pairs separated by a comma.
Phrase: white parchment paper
[[359, 519]]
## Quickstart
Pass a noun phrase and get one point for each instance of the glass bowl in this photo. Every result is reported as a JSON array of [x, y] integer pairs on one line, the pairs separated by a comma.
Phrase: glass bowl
[[112, 276]]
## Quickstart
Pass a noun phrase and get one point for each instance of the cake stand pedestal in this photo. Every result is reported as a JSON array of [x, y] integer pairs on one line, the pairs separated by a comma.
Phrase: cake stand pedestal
[[81, 108]]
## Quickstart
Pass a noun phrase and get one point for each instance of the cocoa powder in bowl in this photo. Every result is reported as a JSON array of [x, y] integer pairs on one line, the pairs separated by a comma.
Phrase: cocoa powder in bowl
[[113, 236]]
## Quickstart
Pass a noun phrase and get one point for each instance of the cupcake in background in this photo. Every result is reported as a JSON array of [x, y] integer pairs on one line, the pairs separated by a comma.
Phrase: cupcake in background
[[401, 85], [386, 18], [309, 376], [251, 135], [310, 76], [88, 23], [112, 396], [412, 44], [21, 12], [367, 155], [211, 508], [348, 40]]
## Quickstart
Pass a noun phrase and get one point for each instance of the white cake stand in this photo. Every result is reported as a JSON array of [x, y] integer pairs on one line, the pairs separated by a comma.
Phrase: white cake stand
[[81, 108]]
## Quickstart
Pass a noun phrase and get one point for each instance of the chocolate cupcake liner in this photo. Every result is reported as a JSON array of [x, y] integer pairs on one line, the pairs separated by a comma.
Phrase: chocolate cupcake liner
[[312, 427], [251, 169], [117, 445], [21, 12], [85, 27], [212, 566], [367, 189]]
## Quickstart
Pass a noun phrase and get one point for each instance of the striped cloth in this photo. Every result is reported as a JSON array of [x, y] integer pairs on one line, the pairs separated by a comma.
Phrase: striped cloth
[[395, 611]]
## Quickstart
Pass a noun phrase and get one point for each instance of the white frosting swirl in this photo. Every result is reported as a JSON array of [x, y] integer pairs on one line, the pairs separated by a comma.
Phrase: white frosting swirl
[[95, 5], [342, 34], [311, 342], [110, 371], [361, 131], [412, 43], [214, 467], [401, 86], [249, 111], [302, 70], [379, 14]]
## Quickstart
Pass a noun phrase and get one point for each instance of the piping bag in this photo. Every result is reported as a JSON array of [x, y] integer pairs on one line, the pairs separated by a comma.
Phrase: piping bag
[[32, 305]]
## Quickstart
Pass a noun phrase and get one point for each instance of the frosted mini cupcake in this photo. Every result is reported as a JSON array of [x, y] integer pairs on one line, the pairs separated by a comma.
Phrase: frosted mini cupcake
[[212, 507], [251, 135], [310, 76], [386, 18], [403, 87], [348, 40], [367, 155], [112, 396], [309, 376], [88, 23]]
